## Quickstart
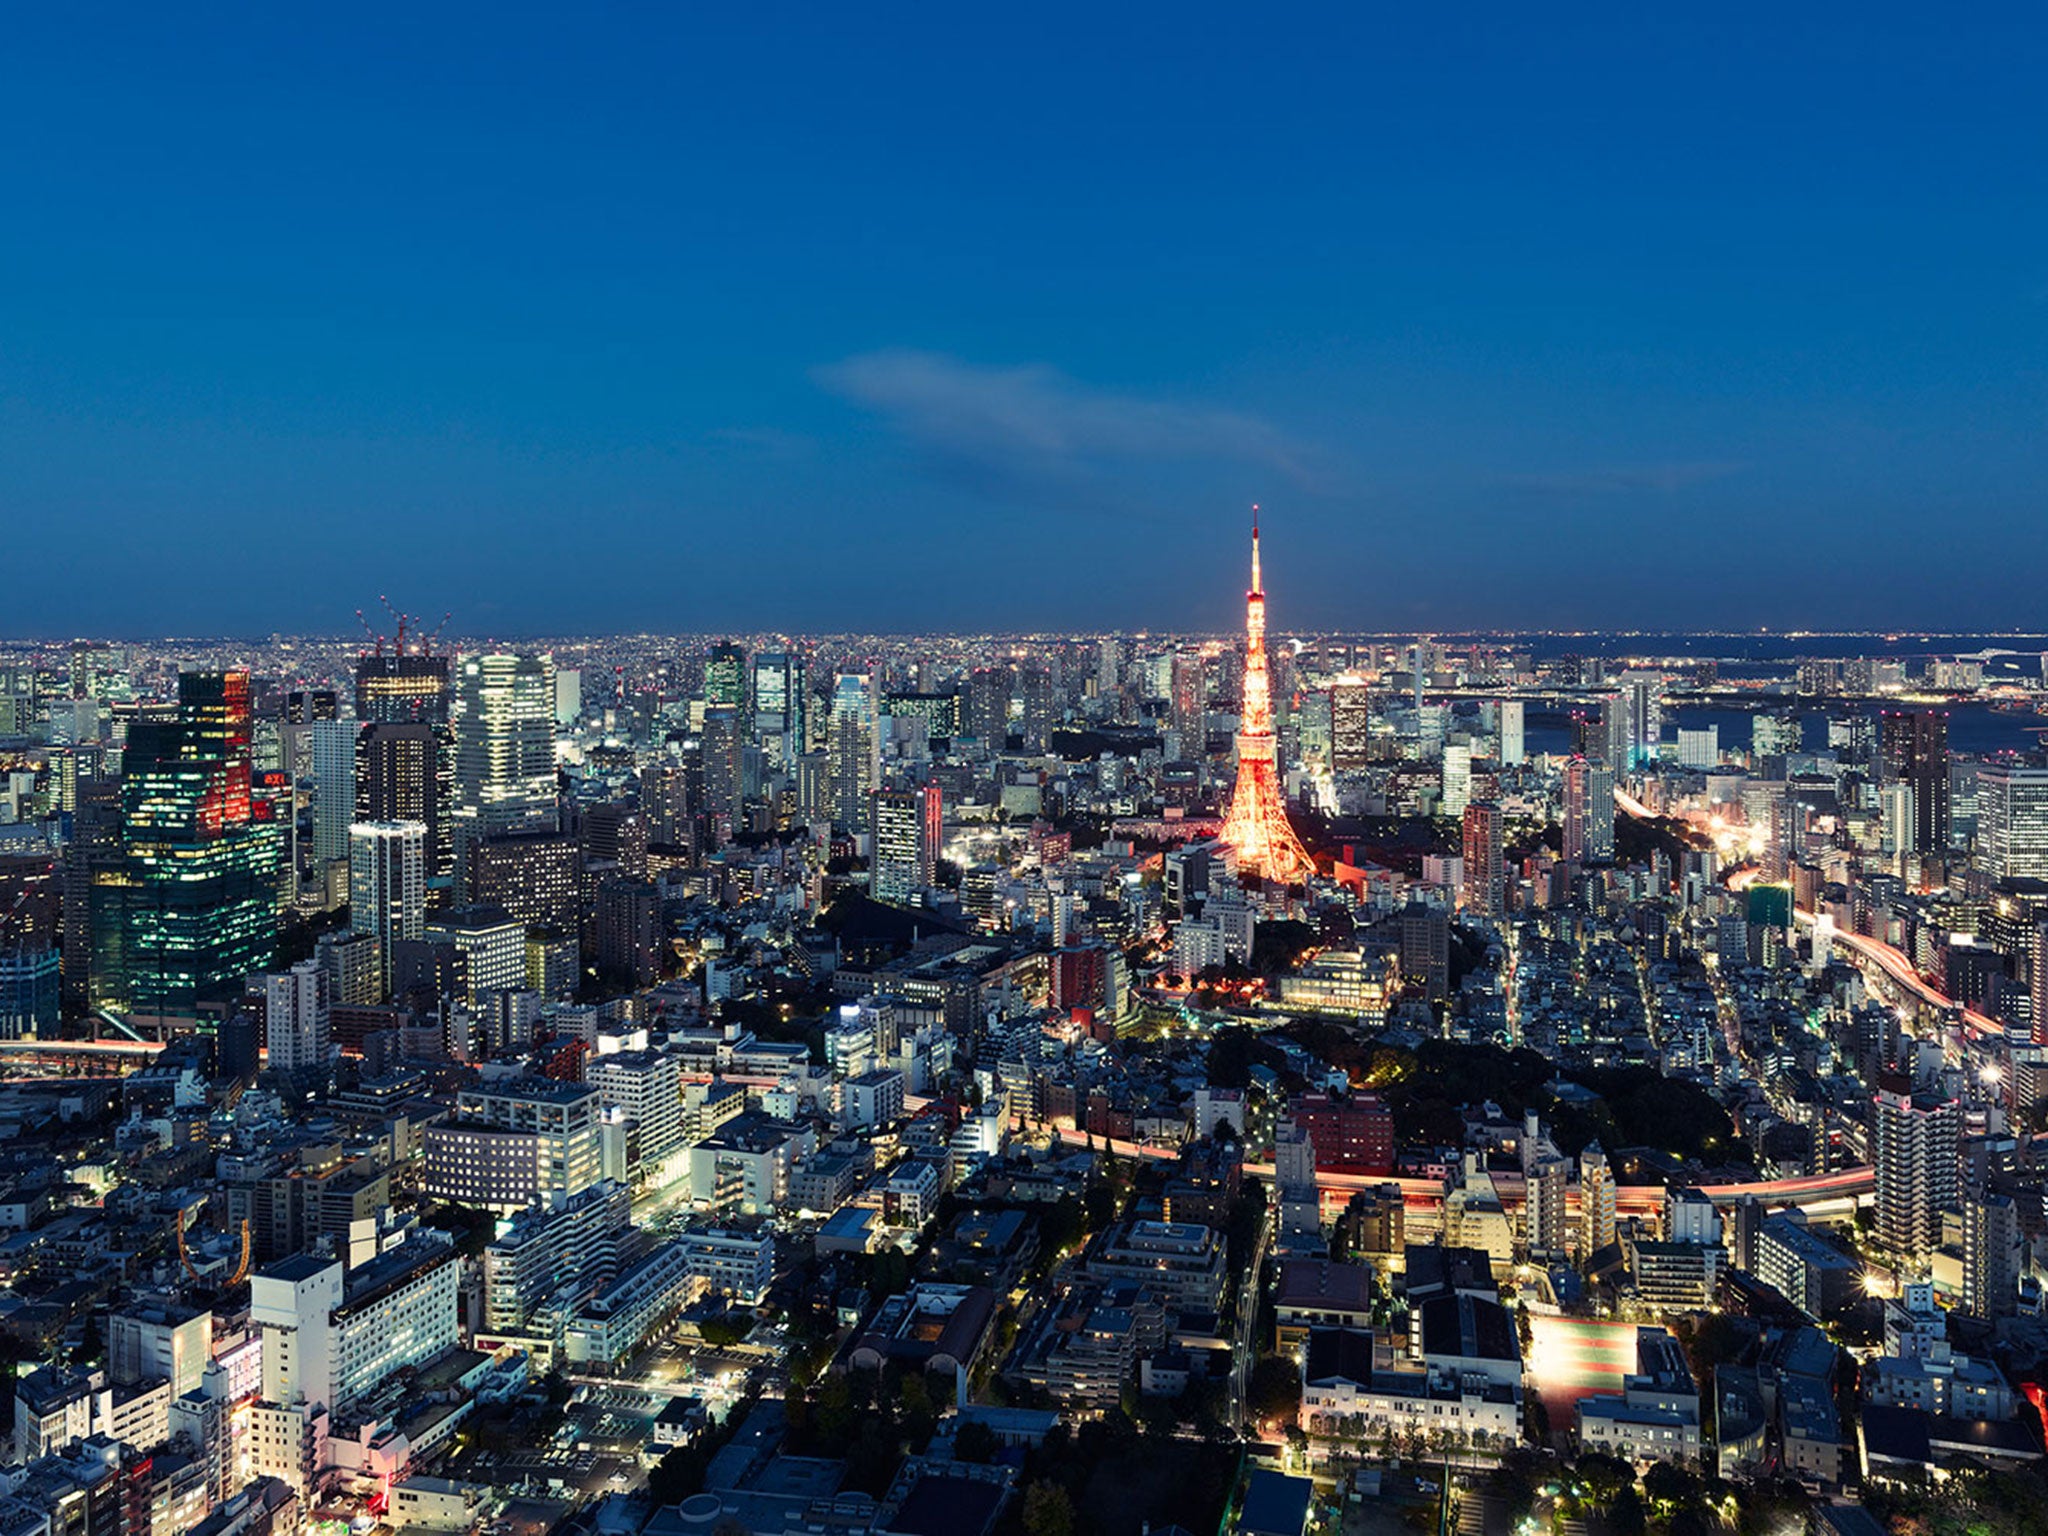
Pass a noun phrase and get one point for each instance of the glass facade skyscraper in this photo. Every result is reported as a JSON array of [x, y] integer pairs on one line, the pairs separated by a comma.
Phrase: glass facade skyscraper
[[189, 907]]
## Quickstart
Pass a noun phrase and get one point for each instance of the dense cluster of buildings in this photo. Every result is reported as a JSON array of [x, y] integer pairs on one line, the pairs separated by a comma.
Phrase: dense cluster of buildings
[[397, 1032]]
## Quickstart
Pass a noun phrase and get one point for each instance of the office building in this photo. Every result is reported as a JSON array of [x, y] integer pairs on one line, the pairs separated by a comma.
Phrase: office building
[[489, 945], [780, 707], [504, 722], [188, 905], [536, 876], [2012, 821], [1913, 750], [1512, 751], [1350, 724], [405, 772], [908, 827], [388, 887], [646, 1088], [854, 751], [402, 688], [517, 1144], [332, 744]]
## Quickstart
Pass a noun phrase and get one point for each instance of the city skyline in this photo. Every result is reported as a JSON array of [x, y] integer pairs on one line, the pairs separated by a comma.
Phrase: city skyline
[[1525, 325]]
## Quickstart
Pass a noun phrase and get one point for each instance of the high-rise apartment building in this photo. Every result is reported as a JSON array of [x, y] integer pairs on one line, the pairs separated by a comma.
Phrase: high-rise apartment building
[[988, 706], [1484, 892], [1916, 1147], [724, 776], [1596, 1199], [1576, 773], [1350, 724], [504, 721], [1991, 1255], [1188, 706], [296, 1015], [1913, 750]]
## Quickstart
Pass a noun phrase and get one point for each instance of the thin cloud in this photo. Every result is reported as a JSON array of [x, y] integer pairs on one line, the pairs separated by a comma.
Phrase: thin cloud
[[1625, 479], [1035, 423]]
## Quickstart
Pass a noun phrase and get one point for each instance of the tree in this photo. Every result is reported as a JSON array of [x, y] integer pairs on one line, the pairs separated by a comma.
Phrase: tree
[[725, 1331], [1625, 1513], [1671, 1486], [1274, 1391], [975, 1442], [1048, 1510]]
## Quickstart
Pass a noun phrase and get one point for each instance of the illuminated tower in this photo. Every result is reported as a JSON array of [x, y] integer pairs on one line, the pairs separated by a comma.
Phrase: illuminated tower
[[1257, 826]]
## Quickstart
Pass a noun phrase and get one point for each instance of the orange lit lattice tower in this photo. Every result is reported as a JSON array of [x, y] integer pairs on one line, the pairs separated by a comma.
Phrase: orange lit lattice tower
[[1257, 826]]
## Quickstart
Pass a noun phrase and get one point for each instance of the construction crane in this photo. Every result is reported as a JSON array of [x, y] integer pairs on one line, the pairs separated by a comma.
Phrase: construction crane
[[421, 644]]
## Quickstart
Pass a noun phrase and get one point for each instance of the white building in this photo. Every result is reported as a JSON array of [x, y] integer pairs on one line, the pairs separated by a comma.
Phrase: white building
[[387, 883], [646, 1087], [295, 1017]]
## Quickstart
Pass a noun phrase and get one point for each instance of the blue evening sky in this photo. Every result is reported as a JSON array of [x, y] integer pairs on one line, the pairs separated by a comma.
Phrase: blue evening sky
[[898, 316]]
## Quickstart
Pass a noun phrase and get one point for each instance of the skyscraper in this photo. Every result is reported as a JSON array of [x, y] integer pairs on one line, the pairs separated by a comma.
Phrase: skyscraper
[[1512, 752], [1257, 825], [725, 677], [2012, 821], [722, 775], [855, 749], [907, 826], [1643, 693], [1483, 878], [779, 700], [1036, 708], [1916, 1143], [988, 706], [504, 749], [188, 907], [1913, 749], [387, 885], [1457, 779], [333, 744], [1600, 813], [1188, 708], [404, 773], [401, 688], [1576, 773], [1350, 724]]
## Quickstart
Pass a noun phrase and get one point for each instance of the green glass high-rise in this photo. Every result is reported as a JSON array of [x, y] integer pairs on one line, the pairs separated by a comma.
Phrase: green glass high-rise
[[189, 907], [725, 677]]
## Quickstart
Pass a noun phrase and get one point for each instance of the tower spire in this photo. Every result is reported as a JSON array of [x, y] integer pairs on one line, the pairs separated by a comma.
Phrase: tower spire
[[1256, 825]]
